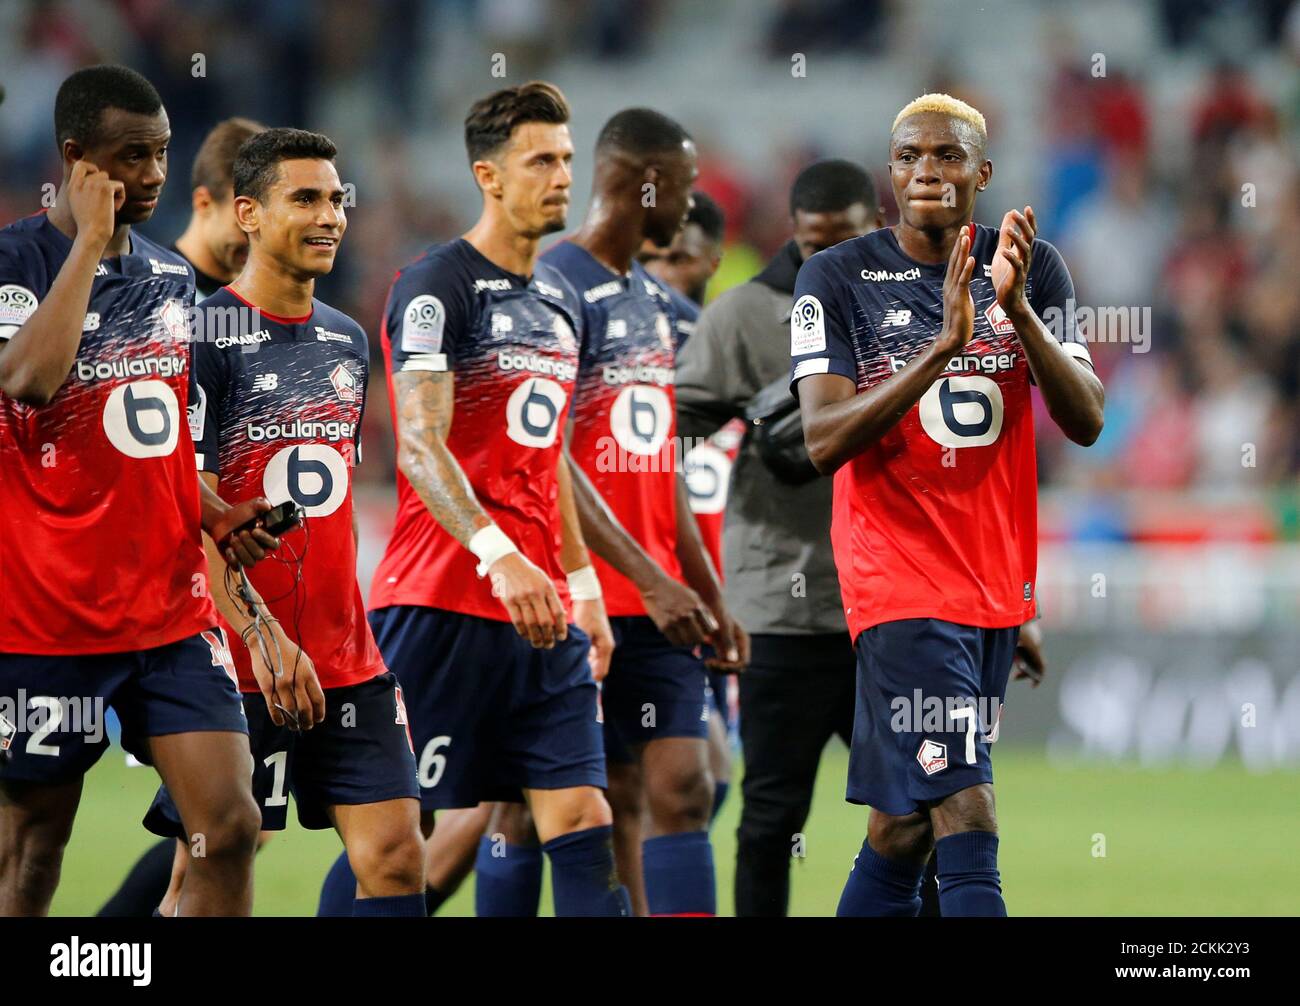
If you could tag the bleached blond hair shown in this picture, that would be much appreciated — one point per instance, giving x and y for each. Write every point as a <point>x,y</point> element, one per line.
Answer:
<point>947,105</point>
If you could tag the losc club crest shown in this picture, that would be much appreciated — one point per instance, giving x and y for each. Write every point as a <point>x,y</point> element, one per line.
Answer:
<point>933,757</point>
<point>998,320</point>
<point>345,385</point>
<point>174,321</point>
<point>564,336</point>
<point>664,329</point>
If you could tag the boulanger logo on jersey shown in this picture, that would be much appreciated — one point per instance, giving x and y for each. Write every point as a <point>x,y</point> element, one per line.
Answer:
<point>640,419</point>
<point>564,370</point>
<point>962,411</point>
<point>533,412</point>
<point>142,419</point>
<point>315,476</point>
<point>708,471</point>
<point>138,366</point>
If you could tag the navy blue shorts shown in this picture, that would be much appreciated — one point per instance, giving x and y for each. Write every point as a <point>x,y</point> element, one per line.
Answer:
<point>490,714</point>
<point>653,690</point>
<point>52,708</point>
<point>361,753</point>
<point>929,701</point>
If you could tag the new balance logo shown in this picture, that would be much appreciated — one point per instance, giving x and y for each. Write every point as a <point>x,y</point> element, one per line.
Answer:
<point>266,382</point>
<point>896,319</point>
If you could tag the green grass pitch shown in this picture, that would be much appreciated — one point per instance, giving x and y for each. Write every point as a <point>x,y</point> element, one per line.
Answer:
<point>1176,842</point>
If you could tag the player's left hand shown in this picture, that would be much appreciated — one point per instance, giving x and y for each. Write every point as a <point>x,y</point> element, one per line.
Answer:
<point>1029,662</point>
<point>247,547</point>
<point>730,644</point>
<point>590,617</point>
<point>1014,255</point>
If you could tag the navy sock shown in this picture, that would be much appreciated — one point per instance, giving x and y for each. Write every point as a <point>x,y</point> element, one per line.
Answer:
<point>678,872</point>
<point>881,887</point>
<point>339,890</point>
<point>969,884</point>
<point>583,878</point>
<point>393,905</point>
<point>145,886</point>
<point>719,796</point>
<point>509,885</point>
<point>433,899</point>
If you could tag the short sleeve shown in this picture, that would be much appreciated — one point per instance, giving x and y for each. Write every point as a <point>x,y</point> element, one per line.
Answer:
<point>426,315</point>
<point>21,288</point>
<point>821,341</point>
<point>209,374</point>
<point>1052,299</point>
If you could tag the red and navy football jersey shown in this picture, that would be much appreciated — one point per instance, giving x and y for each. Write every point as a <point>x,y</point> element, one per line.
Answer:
<point>279,415</point>
<point>939,518</point>
<point>512,343</point>
<point>625,409</point>
<point>100,545</point>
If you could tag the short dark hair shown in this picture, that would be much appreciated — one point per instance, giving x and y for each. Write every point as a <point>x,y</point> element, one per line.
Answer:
<point>492,120</point>
<point>641,132</point>
<point>707,215</point>
<point>214,164</point>
<point>830,186</point>
<point>259,157</point>
<point>85,94</point>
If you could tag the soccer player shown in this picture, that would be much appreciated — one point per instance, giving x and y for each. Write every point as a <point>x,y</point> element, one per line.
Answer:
<point>216,250</point>
<point>685,268</point>
<point>101,560</point>
<point>213,243</point>
<point>282,390</point>
<point>469,600</point>
<point>913,351</point>
<point>623,438</point>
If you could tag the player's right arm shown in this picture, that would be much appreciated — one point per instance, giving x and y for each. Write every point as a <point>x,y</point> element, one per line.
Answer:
<point>36,360</point>
<point>424,395</point>
<point>284,672</point>
<point>839,423</point>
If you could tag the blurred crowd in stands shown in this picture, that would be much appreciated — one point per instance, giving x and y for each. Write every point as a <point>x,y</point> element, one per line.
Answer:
<point>1197,241</point>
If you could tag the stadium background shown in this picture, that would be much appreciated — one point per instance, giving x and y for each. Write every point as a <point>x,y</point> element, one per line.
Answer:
<point>1156,771</point>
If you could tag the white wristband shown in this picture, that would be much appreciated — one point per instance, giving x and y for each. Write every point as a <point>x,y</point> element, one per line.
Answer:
<point>584,585</point>
<point>489,544</point>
